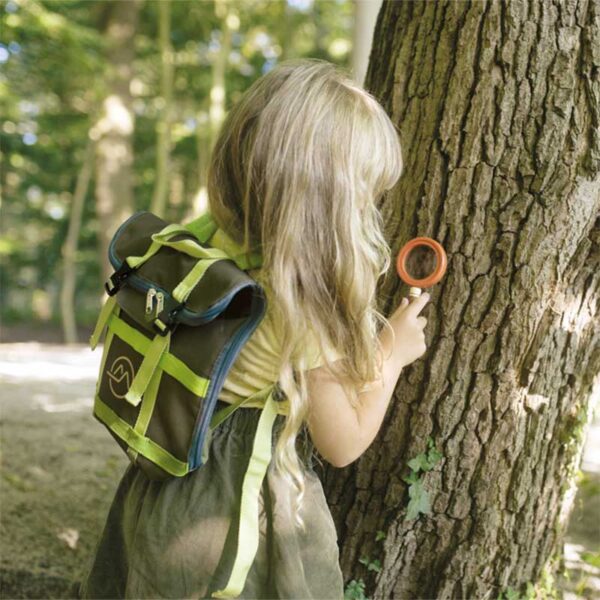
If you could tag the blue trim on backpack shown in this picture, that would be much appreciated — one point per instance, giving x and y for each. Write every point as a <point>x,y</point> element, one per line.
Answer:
<point>221,367</point>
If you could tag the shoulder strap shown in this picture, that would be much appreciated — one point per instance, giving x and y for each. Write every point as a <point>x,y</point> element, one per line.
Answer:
<point>207,231</point>
<point>248,527</point>
<point>222,414</point>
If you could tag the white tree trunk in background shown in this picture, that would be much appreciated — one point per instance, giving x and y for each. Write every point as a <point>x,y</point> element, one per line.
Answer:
<point>365,15</point>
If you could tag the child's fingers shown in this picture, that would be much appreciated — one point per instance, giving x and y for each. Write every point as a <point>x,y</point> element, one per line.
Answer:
<point>400,308</point>
<point>417,305</point>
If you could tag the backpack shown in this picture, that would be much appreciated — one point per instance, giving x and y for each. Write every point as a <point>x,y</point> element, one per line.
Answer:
<point>180,307</point>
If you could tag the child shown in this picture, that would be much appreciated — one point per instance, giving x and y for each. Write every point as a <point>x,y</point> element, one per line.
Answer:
<point>296,171</point>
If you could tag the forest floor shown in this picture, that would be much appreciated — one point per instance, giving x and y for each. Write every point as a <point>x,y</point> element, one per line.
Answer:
<point>60,468</point>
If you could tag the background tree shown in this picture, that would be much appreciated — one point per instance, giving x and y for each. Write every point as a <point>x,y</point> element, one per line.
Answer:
<point>69,250</point>
<point>362,37</point>
<point>466,490</point>
<point>114,129</point>
<point>163,129</point>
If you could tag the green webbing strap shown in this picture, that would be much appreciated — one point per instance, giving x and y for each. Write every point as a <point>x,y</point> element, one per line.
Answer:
<point>159,240</point>
<point>203,227</point>
<point>102,321</point>
<point>192,279</point>
<point>167,232</point>
<point>107,342</point>
<point>190,247</point>
<point>145,446</point>
<point>155,352</point>
<point>206,230</point>
<point>222,414</point>
<point>146,410</point>
<point>248,533</point>
<point>169,363</point>
<point>245,261</point>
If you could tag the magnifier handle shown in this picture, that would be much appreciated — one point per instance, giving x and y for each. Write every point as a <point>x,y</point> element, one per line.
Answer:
<point>414,292</point>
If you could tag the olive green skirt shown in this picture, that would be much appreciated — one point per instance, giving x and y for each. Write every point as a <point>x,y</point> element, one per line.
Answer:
<point>178,538</point>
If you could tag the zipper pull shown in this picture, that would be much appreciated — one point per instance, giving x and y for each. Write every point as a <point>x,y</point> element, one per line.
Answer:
<point>150,300</point>
<point>160,303</point>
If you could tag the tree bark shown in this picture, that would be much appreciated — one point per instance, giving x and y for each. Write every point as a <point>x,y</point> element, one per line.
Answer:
<point>498,110</point>
<point>114,129</point>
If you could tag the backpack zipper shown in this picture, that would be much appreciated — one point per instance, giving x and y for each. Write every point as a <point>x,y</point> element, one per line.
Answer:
<point>150,295</point>
<point>160,303</point>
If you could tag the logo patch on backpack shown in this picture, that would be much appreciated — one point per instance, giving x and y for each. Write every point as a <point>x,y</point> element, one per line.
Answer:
<point>120,376</point>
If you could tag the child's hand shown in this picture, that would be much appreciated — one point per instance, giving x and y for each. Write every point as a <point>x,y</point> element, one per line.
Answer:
<point>408,327</point>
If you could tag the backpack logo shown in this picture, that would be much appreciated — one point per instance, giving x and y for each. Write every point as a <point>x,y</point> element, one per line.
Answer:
<point>120,376</point>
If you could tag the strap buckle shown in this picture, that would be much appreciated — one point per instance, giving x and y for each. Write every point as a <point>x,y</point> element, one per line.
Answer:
<point>115,281</point>
<point>166,321</point>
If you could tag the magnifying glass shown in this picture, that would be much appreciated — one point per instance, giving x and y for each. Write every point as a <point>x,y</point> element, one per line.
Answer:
<point>421,263</point>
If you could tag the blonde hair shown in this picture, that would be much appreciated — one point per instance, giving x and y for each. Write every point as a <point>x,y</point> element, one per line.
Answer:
<point>296,171</point>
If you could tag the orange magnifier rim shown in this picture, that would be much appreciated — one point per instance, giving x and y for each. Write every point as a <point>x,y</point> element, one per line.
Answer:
<point>440,267</point>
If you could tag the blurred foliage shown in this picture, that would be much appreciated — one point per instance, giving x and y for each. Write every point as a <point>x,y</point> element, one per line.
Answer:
<point>53,57</point>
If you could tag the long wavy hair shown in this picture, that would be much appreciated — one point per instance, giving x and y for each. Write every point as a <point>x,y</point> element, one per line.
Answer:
<point>296,172</point>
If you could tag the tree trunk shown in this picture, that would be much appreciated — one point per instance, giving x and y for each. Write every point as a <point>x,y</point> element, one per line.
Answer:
<point>365,15</point>
<point>213,109</point>
<point>498,110</point>
<point>69,249</point>
<point>114,129</point>
<point>230,22</point>
<point>163,144</point>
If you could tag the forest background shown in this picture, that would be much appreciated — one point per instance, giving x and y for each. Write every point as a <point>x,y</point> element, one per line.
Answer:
<point>160,93</point>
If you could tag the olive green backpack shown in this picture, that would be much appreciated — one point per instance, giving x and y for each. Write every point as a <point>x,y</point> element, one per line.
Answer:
<point>180,307</point>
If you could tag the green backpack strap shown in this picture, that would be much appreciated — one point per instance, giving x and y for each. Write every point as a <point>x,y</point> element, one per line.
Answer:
<point>207,231</point>
<point>203,227</point>
<point>103,317</point>
<point>248,533</point>
<point>154,354</point>
<point>222,414</point>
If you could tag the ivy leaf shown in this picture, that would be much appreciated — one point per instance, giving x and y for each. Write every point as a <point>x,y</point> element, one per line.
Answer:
<point>374,566</point>
<point>380,535</point>
<point>419,501</point>
<point>365,560</point>
<point>355,590</point>
<point>418,462</point>
<point>411,477</point>
<point>433,456</point>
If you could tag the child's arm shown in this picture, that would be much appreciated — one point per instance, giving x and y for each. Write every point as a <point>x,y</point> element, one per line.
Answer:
<point>341,433</point>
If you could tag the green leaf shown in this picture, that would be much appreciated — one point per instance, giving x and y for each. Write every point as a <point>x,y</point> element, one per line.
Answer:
<point>374,566</point>
<point>433,456</point>
<point>418,462</point>
<point>355,590</point>
<point>365,560</point>
<point>411,477</point>
<point>512,594</point>
<point>419,501</point>
<point>380,535</point>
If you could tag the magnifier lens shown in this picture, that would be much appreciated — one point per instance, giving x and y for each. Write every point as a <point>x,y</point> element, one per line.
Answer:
<point>421,262</point>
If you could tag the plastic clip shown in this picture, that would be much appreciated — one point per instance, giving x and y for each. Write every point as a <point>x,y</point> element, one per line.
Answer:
<point>113,285</point>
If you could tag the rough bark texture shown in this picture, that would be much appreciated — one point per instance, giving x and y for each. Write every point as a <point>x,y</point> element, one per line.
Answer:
<point>498,108</point>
